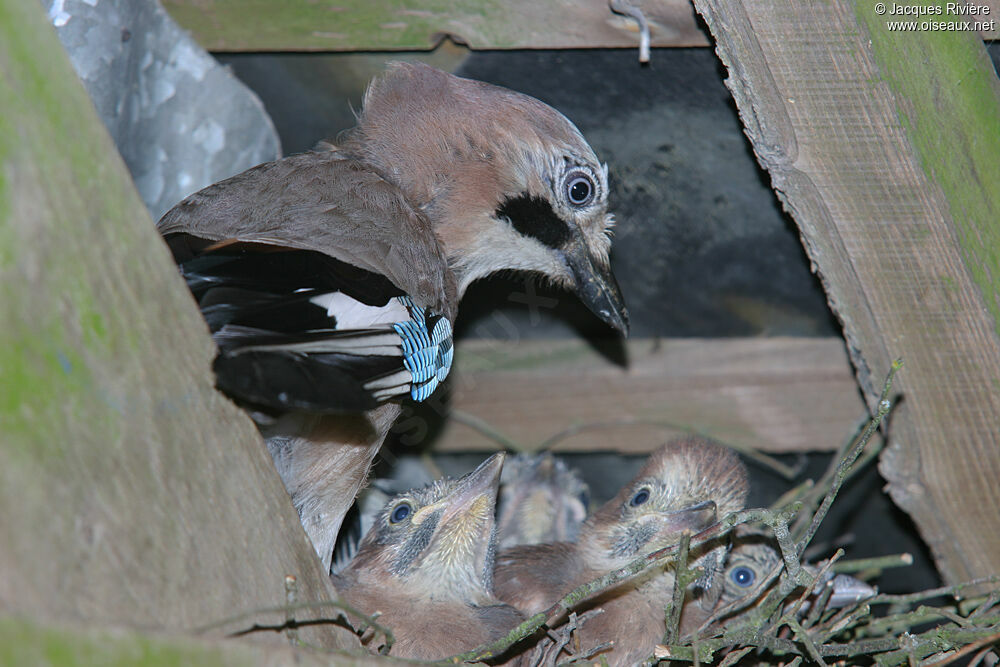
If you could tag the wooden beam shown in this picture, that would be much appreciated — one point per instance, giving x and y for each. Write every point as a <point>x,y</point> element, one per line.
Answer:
<point>775,394</point>
<point>132,493</point>
<point>882,145</point>
<point>30,642</point>
<point>394,25</point>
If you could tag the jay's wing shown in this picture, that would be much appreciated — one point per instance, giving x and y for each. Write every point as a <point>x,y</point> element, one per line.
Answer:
<point>324,202</point>
<point>323,288</point>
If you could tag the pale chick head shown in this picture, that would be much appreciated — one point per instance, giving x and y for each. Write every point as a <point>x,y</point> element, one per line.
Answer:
<point>507,181</point>
<point>541,500</point>
<point>687,484</point>
<point>436,542</point>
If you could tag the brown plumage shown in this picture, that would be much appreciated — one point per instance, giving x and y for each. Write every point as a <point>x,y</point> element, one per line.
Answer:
<point>541,500</point>
<point>426,567</point>
<point>685,485</point>
<point>300,265</point>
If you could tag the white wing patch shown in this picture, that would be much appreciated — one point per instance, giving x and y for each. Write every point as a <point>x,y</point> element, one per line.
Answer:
<point>352,314</point>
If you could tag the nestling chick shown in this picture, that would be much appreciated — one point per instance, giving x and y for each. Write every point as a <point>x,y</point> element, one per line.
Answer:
<point>426,566</point>
<point>685,485</point>
<point>755,556</point>
<point>330,280</point>
<point>408,472</point>
<point>541,500</point>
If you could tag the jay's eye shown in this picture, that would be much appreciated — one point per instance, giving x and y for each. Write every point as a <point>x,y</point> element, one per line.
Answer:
<point>640,497</point>
<point>743,576</point>
<point>400,512</point>
<point>580,188</point>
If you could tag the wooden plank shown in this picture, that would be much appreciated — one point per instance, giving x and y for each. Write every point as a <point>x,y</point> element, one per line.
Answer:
<point>883,147</point>
<point>32,642</point>
<point>776,394</point>
<point>393,25</point>
<point>132,493</point>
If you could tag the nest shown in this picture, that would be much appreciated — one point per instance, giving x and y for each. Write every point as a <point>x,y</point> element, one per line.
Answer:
<point>781,620</point>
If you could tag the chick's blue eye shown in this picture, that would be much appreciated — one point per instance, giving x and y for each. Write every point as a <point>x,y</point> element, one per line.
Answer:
<point>400,512</point>
<point>641,496</point>
<point>743,577</point>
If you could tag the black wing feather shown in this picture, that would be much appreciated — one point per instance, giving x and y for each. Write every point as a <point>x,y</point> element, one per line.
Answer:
<point>283,313</point>
<point>284,271</point>
<point>253,295</point>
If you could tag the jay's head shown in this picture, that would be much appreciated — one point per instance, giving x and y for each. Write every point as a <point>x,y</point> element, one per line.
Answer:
<point>687,484</point>
<point>507,181</point>
<point>437,541</point>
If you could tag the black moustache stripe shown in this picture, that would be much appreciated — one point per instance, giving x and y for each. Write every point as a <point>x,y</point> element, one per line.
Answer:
<point>534,217</point>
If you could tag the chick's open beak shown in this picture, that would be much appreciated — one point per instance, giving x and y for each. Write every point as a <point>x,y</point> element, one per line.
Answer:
<point>596,286</point>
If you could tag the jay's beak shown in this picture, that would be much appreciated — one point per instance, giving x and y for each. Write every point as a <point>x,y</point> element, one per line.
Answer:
<point>596,287</point>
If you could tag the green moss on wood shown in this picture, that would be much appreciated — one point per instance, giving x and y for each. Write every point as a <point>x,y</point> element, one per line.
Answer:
<point>346,25</point>
<point>55,192</point>
<point>23,642</point>
<point>949,107</point>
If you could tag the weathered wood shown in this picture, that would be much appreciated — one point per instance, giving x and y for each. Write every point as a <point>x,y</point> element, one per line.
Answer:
<point>392,25</point>
<point>23,642</point>
<point>776,394</point>
<point>883,147</point>
<point>131,492</point>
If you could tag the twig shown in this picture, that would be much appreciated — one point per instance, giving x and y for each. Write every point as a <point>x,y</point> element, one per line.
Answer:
<point>954,590</point>
<point>843,619</point>
<point>769,462</point>
<point>988,604</point>
<point>806,640</point>
<point>794,494</point>
<point>812,499</point>
<point>912,647</point>
<point>487,430</point>
<point>366,620</point>
<point>791,555</point>
<point>587,655</point>
<point>884,405</point>
<point>567,635</point>
<point>878,563</point>
<point>923,614</point>
<point>682,577</point>
<point>818,607</point>
<point>559,640</point>
<point>981,658</point>
<point>734,656</point>
<point>810,589</point>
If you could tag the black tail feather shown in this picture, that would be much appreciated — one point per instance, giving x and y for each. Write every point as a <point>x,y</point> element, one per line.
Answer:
<point>321,383</point>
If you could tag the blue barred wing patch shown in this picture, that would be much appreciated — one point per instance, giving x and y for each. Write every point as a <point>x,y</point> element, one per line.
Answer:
<point>427,348</point>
